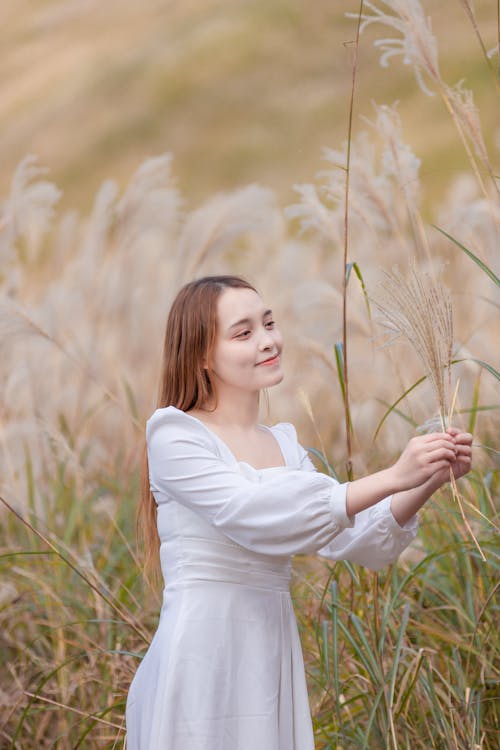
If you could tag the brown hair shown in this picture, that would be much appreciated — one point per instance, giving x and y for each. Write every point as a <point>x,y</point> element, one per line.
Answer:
<point>186,379</point>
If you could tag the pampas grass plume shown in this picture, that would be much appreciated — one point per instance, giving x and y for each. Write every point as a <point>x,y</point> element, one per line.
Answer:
<point>418,309</point>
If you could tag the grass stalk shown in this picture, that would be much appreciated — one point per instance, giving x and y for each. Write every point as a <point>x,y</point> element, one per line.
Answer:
<point>345,277</point>
<point>116,607</point>
<point>455,491</point>
<point>73,710</point>
<point>469,11</point>
<point>443,90</point>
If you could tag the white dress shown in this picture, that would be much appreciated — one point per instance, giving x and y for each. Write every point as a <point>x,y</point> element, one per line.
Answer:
<point>225,670</point>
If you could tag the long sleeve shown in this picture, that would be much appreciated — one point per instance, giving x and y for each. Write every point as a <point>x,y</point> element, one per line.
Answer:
<point>375,540</point>
<point>284,512</point>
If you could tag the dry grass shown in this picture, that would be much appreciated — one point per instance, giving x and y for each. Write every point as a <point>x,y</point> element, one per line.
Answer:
<point>83,303</point>
<point>417,309</point>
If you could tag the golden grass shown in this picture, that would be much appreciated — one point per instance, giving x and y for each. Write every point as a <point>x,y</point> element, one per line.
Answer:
<point>238,92</point>
<point>84,297</point>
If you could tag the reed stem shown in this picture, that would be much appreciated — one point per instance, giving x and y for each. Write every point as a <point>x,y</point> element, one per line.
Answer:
<point>347,415</point>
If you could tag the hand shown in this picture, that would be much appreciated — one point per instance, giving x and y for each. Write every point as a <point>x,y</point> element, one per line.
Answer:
<point>429,457</point>
<point>463,461</point>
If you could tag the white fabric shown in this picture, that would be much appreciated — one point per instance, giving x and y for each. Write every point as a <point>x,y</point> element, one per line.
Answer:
<point>224,670</point>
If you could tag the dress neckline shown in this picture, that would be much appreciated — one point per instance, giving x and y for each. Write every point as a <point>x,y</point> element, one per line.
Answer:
<point>284,465</point>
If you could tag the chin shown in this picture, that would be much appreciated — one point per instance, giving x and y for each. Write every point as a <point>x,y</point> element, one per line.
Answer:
<point>277,378</point>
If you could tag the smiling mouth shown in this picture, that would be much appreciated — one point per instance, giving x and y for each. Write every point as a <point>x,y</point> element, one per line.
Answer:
<point>269,361</point>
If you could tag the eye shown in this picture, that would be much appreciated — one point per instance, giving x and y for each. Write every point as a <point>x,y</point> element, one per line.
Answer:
<point>270,324</point>
<point>242,334</point>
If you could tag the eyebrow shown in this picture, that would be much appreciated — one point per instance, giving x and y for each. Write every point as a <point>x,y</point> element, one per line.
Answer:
<point>248,320</point>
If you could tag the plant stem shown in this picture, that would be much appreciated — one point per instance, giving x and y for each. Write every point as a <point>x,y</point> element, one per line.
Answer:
<point>346,245</point>
<point>110,601</point>
<point>469,10</point>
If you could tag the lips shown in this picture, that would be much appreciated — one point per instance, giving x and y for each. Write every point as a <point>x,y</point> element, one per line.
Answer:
<point>270,360</point>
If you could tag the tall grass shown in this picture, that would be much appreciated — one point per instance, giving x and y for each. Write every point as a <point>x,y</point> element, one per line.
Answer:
<point>406,657</point>
<point>409,657</point>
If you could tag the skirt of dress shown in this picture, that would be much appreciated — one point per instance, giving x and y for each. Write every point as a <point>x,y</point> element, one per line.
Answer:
<point>223,672</point>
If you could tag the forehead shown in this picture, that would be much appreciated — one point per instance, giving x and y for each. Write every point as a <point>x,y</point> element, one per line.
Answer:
<point>234,304</point>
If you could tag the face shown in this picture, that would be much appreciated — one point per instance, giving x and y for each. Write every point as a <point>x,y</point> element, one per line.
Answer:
<point>247,336</point>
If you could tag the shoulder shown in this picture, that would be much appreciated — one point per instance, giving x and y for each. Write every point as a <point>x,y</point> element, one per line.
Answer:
<point>170,424</point>
<point>288,434</point>
<point>285,430</point>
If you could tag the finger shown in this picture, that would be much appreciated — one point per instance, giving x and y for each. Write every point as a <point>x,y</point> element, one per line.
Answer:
<point>438,466</point>
<point>464,438</point>
<point>432,436</point>
<point>461,469</point>
<point>453,430</point>
<point>447,444</point>
<point>441,454</point>
<point>440,438</point>
<point>464,463</point>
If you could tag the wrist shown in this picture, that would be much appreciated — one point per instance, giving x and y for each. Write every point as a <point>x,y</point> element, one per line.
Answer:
<point>433,484</point>
<point>391,480</point>
<point>367,491</point>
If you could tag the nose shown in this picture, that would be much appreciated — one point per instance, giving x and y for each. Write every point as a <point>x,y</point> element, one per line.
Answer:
<point>266,340</point>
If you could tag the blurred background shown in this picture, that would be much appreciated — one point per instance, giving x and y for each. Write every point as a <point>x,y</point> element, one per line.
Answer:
<point>239,92</point>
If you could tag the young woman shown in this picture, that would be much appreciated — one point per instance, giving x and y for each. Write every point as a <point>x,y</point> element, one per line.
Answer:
<point>231,501</point>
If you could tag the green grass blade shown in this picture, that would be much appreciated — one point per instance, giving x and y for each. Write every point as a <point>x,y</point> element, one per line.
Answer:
<point>475,402</point>
<point>398,412</point>
<point>335,652</point>
<point>339,360</point>
<point>393,406</point>
<point>371,719</point>
<point>409,689</point>
<point>326,464</point>
<point>364,650</point>
<point>93,720</point>
<point>45,678</point>
<point>325,647</point>
<point>471,255</point>
<point>397,653</point>
<point>486,366</point>
<point>353,266</point>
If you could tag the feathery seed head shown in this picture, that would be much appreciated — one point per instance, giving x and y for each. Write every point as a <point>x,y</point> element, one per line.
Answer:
<point>417,46</point>
<point>418,308</point>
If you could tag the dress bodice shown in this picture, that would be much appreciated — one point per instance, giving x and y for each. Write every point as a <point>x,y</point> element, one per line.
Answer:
<point>222,519</point>
<point>193,550</point>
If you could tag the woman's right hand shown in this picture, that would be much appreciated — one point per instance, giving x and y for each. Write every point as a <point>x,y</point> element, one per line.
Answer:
<point>424,456</point>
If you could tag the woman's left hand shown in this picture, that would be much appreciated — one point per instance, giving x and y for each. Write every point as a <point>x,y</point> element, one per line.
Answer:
<point>405,504</point>
<point>462,464</point>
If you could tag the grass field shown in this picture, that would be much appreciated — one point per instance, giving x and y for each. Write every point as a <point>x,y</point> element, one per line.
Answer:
<point>143,114</point>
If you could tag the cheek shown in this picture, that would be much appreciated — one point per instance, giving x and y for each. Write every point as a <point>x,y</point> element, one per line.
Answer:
<point>230,359</point>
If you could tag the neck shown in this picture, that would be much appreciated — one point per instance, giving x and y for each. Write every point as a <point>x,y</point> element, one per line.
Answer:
<point>236,408</point>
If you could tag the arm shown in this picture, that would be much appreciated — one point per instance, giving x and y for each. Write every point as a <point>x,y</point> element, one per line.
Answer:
<point>289,512</point>
<point>286,512</point>
<point>375,540</point>
<point>384,530</point>
<point>422,461</point>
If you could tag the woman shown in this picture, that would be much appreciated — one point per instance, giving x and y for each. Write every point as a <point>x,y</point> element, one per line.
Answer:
<point>235,500</point>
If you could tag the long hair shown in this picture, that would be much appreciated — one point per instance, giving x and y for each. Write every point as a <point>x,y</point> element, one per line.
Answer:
<point>186,381</point>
